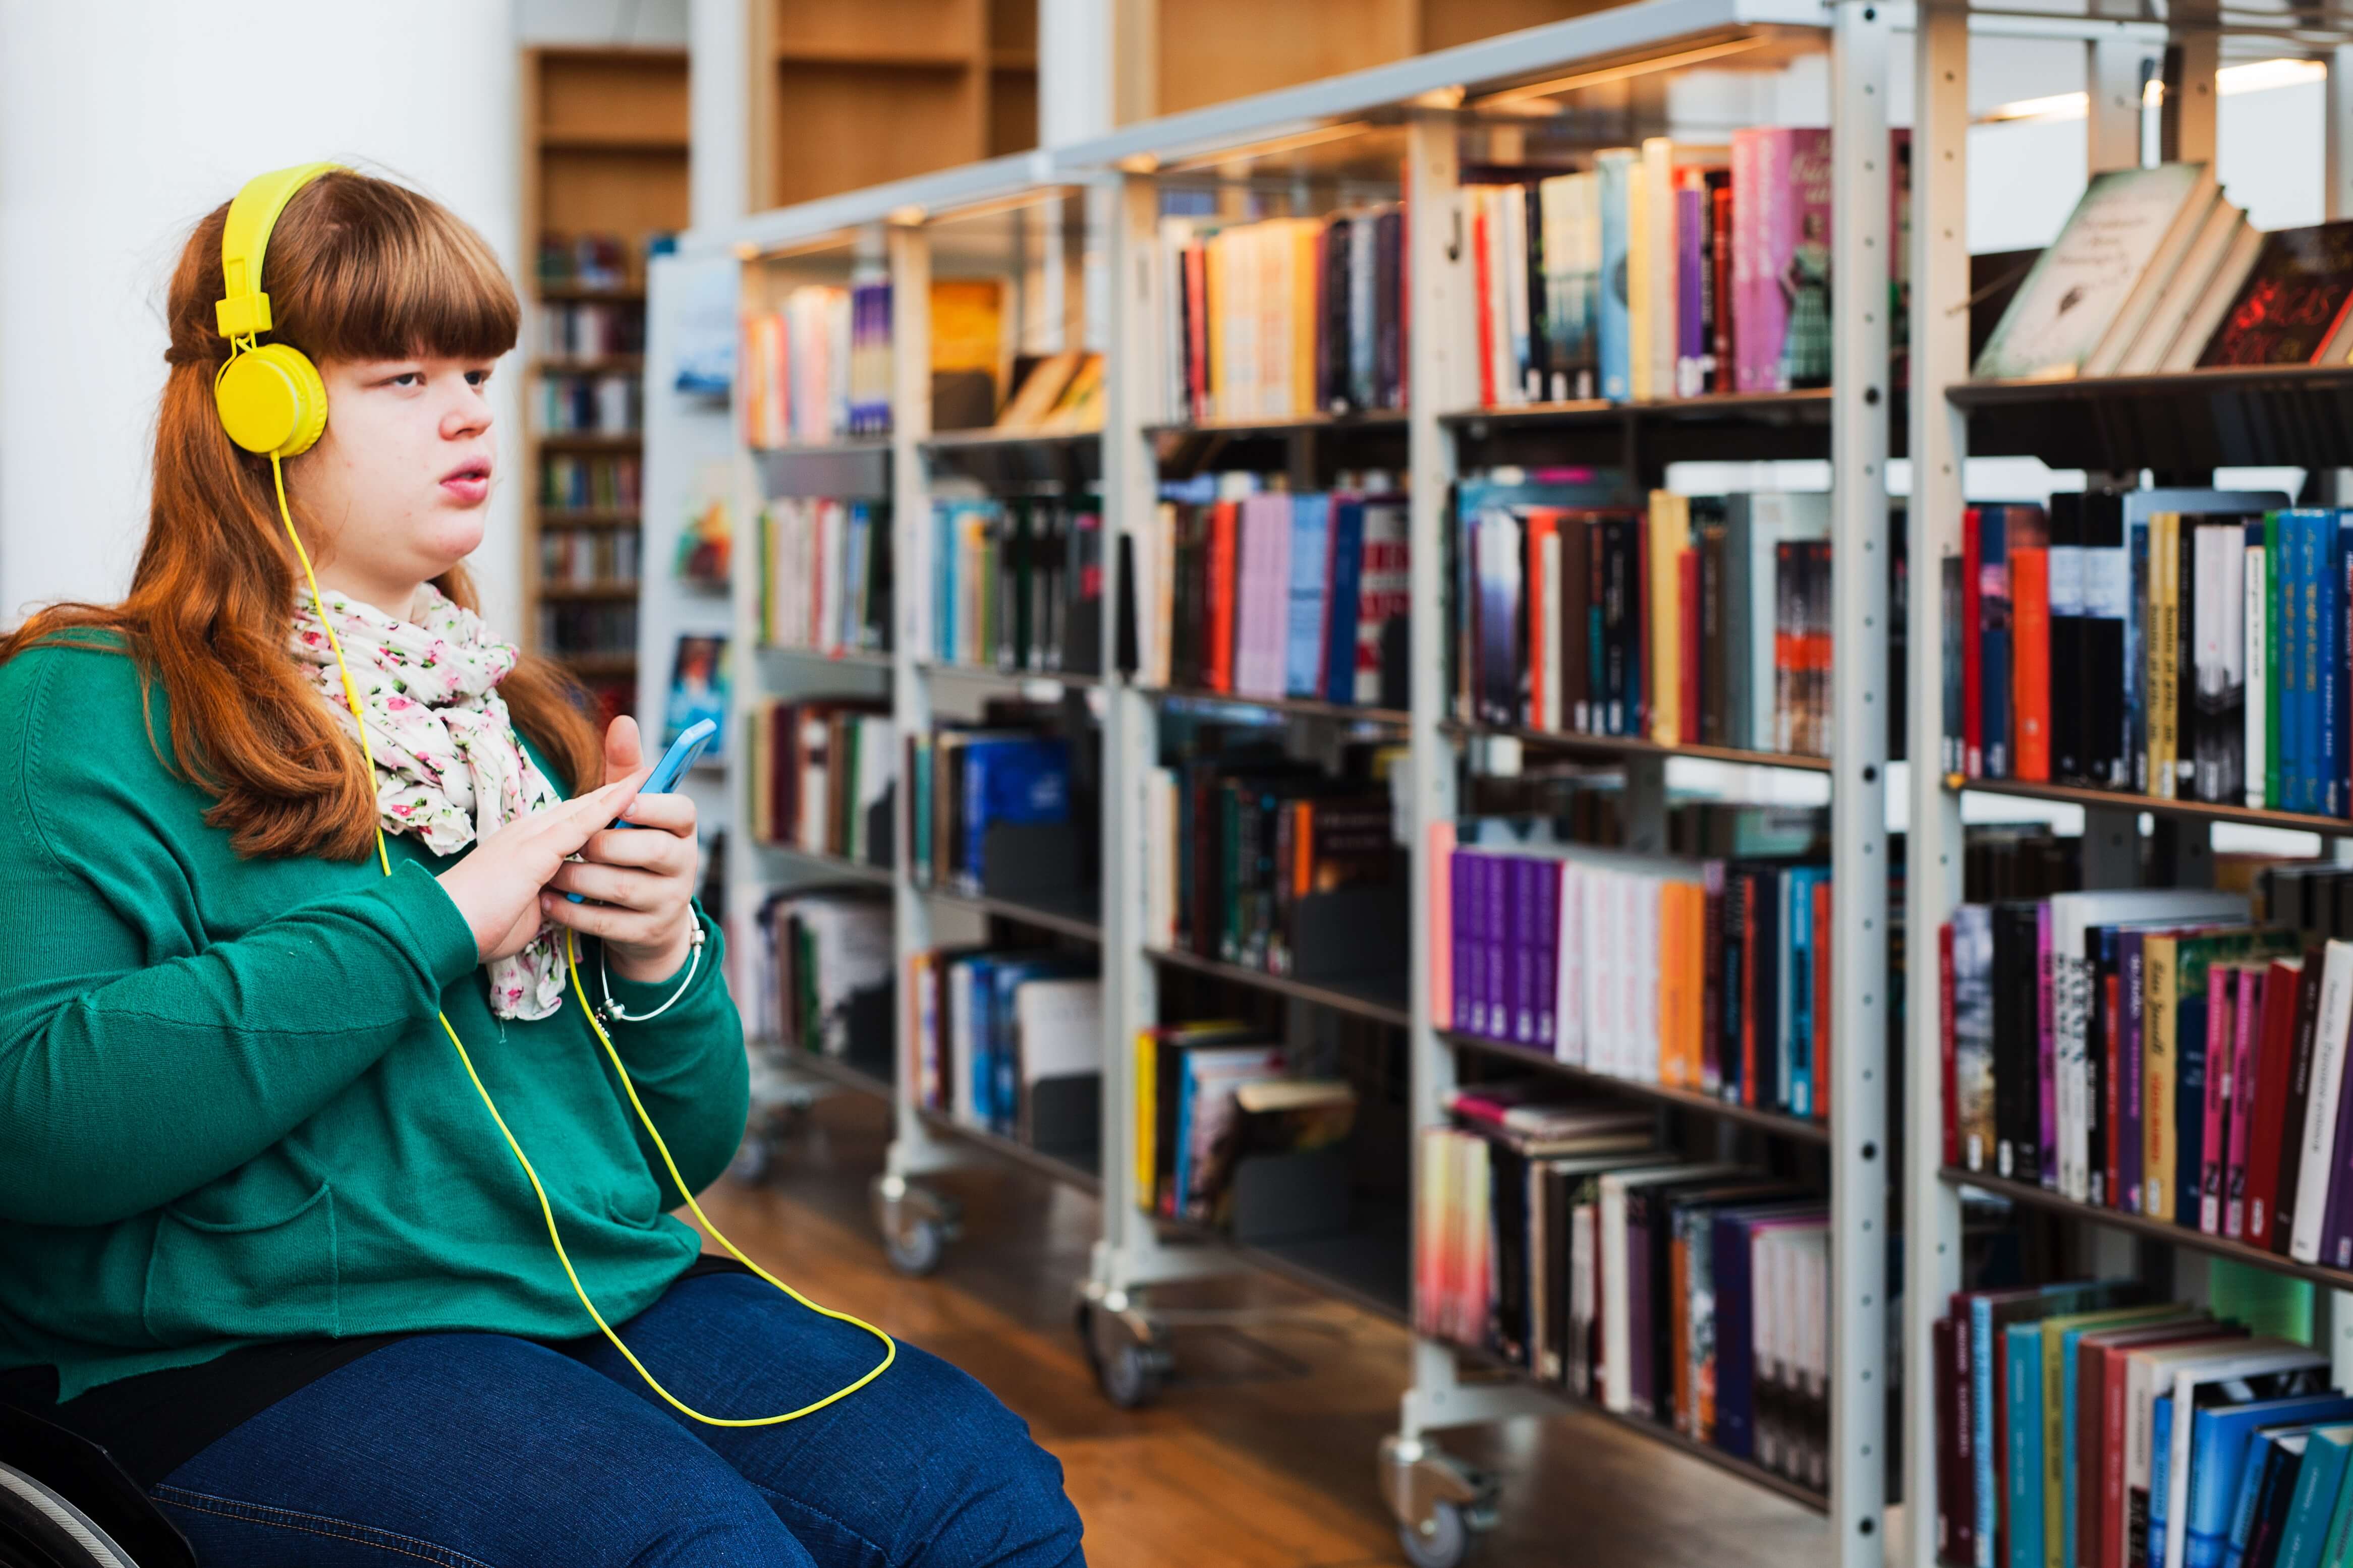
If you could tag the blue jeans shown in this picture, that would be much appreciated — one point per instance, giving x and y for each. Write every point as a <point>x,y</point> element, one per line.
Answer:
<point>486,1451</point>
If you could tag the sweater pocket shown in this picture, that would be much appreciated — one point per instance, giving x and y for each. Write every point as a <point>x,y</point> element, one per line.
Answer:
<point>251,1255</point>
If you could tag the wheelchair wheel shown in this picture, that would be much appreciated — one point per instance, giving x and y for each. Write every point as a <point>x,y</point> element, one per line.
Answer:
<point>39,1529</point>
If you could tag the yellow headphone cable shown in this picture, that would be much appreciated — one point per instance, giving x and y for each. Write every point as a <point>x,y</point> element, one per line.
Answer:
<point>571,959</point>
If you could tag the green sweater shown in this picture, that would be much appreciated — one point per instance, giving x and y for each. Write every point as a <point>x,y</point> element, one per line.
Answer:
<point>227,1114</point>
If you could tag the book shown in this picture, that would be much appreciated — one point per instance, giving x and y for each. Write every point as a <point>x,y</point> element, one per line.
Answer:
<point>2291,307</point>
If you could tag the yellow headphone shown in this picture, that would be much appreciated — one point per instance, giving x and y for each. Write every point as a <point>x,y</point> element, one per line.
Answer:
<point>272,401</point>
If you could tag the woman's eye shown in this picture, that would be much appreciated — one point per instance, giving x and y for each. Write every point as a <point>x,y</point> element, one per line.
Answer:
<point>409,378</point>
<point>477,377</point>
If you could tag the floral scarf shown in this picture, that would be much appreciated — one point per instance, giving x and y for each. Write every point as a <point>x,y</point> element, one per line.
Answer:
<point>449,767</point>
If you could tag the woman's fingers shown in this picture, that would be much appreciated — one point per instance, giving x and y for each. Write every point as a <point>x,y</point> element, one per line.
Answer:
<point>614,922</point>
<point>619,884</point>
<point>648,851</point>
<point>672,815</point>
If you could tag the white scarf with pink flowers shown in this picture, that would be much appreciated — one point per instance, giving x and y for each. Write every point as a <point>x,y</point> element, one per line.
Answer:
<point>450,768</point>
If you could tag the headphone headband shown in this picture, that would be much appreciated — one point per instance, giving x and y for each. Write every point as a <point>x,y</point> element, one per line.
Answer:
<point>245,309</point>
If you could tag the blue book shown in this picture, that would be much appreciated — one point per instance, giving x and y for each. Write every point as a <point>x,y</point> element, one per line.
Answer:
<point>977,1063</point>
<point>1993,636</point>
<point>2022,1384</point>
<point>2317,1482</point>
<point>2256,1482</point>
<point>1311,594</point>
<point>1005,977</point>
<point>1803,880</point>
<point>2330,550</point>
<point>1348,591</point>
<point>1022,781</point>
<point>2160,1474</point>
<point>1617,170</point>
<point>2218,1458</point>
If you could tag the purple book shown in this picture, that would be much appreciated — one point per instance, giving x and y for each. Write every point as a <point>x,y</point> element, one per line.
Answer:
<point>2128,1084</point>
<point>1463,940</point>
<point>1780,258</point>
<point>1691,270</point>
<point>1498,928</point>
<point>1526,935</point>
<point>2046,1052</point>
<point>1639,1374</point>
<point>1547,953</point>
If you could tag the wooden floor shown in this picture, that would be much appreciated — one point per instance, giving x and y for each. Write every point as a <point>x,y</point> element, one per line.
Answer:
<point>1260,1455</point>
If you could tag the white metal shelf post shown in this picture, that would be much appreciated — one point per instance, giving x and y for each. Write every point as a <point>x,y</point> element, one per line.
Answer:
<point>915,1222</point>
<point>1860,152</point>
<point>1939,357</point>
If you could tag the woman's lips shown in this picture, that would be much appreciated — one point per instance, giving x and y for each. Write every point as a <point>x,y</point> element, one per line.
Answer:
<point>469,486</point>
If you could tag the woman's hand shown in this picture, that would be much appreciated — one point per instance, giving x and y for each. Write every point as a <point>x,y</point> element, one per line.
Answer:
<point>641,877</point>
<point>497,886</point>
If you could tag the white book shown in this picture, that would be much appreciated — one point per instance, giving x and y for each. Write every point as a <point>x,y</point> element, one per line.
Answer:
<point>2223,225</point>
<point>1643,972</point>
<point>1058,1028</point>
<point>1572,994</point>
<point>2222,291</point>
<point>2319,1144</point>
<point>2083,281</point>
<point>960,1005</point>
<point>2155,279</point>
<point>2186,1380</point>
<point>1550,716</point>
<point>2072,917</point>
<point>2257,613</point>
<point>1617,1344</point>
<point>2148,1373</point>
<point>1754,525</point>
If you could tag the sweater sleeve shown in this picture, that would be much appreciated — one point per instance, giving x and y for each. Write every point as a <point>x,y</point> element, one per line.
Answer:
<point>689,1064</point>
<point>139,1060</point>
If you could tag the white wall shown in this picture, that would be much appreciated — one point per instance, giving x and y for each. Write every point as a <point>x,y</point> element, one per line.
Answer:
<point>121,125</point>
<point>642,22</point>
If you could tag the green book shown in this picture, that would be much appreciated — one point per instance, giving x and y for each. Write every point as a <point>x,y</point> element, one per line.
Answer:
<point>2340,1529</point>
<point>2313,1507</point>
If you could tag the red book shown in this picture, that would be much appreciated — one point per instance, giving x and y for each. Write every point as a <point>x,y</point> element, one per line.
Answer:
<point>2246,1052</point>
<point>2029,641</point>
<point>1747,991</point>
<point>1484,306</point>
<point>1543,524</point>
<point>1688,662</point>
<point>2274,1059</point>
<point>1224,526</point>
<point>1720,257</point>
<point>1972,670</point>
<point>2100,1357</point>
<point>2293,304</point>
<point>1949,1115</point>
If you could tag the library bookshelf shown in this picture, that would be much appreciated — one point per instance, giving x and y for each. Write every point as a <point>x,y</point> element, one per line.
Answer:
<point>605,154</point>
<point>1403,130</point>
<point>2179,426</point>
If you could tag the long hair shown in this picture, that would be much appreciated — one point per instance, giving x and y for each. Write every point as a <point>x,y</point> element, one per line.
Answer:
<point>358,269</point>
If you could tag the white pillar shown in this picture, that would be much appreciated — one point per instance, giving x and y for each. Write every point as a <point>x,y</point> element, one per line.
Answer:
<point>121,126</point>
<point>721,112</point>
<point>1076,69</point>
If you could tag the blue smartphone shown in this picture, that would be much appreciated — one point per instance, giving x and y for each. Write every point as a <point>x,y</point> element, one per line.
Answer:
<point>672,767</point>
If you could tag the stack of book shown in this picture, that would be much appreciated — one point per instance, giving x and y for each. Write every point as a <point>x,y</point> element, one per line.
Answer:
<point>582,556</point>
<point>590,329</point>
<point>1017,585</point>
<point>821,775</point>
<point>1276,595</point>
<point>1282,318</point>
<point>1211,1095</point>
<point>825,963</point>
<point>588,405</point>
<point>1694,1296</point>
<point>966,782</point>
<point>1667,270</point>
<point>2088,1423</point>
<point>1689,622</point>
<point>817,368</point>
<point>991,1026</point>
<point>2157,271</point>
<point>2212,664</point>
<point>1708,976</point>
<point>596,483</point>
<point>1060,396</point>
<point>825,575</point>
<point>1248,844</point>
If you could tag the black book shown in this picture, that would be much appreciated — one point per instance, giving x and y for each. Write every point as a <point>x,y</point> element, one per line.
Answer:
<point>1733,987</point>
<point>1331,390</point>
<point>2066,581</point>
<point>1540,366</point>
<point>2276,1493</point>
<point>2017,1066</point>
<point>1507,1302</point>
<point>1078,642</point>
<point>2106,568</point>
<point>1765,987</point>
<point>1125,644</point>
<point>1389,331</point>
<point>2101,944</point>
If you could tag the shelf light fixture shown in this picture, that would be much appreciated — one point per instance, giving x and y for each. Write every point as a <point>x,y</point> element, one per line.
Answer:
<point>2254,76</point>
<point>1646,67</point>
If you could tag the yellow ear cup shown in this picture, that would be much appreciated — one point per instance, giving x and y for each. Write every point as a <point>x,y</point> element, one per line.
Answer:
<point>271,400</point>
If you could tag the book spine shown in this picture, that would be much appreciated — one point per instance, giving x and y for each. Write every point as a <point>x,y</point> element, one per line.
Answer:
<point>2031,699</point>
<point>1972,645</point>
<point>1994,629</point>
<point>2297,1107</point>
<point>2256,599</point>
<point>1947,1048</point>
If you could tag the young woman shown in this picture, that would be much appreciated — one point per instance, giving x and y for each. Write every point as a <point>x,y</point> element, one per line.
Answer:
<point>258,1235</point>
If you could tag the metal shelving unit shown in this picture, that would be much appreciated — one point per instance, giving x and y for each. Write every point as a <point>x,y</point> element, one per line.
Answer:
<point>2175,424</point>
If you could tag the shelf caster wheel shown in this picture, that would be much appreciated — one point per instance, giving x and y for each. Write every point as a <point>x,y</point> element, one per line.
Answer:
<point>916,1224</point>
<point>1128,1352</point>
<point>1442,1505</point>
<point>1442,1541</point>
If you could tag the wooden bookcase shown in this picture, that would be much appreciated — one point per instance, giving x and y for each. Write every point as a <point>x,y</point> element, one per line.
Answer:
<point>851,93</point>
<point>605,146</point>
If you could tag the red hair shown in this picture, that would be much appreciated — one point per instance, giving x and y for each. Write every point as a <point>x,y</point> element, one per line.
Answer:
<point>358,269</point>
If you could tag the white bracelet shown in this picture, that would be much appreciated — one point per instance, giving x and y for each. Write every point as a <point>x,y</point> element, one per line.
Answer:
<point>612,1009</point>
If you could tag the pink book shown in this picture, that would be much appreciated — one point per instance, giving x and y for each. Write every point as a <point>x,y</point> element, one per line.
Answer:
<point>2246,1061</point>
<point>2221,1014</point>
<point>1781,231</point>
